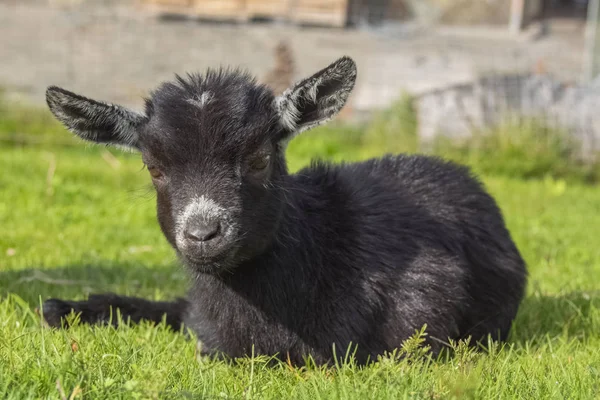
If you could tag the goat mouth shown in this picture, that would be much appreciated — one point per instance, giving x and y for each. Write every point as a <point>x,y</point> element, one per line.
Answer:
<point>208,262</point>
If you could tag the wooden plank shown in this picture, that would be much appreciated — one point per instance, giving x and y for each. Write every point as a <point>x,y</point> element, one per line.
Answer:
<point>319,18</point>
<point>170,3</point>
<point>517,12</point>
<point>591,65</point>
<point>219,6</point>
<point>330,12</point>
<point>217,9</point>
<point>321,12</point>
<point>267,8</point>
<point>182,7</point>
<point>325,4</point>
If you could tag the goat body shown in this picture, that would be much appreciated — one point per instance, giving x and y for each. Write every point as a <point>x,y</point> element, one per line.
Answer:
<point>360,254</point>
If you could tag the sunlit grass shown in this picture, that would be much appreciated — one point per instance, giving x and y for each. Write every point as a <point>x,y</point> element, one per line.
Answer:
<point>78,219</point>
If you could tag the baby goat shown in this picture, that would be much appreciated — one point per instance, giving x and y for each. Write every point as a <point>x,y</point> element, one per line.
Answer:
<point>358,254</point>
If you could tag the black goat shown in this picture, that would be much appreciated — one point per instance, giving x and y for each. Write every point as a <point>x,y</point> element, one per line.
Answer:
<point>355,254</point>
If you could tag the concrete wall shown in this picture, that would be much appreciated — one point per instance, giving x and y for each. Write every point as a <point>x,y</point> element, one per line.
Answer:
<point>459,110</point>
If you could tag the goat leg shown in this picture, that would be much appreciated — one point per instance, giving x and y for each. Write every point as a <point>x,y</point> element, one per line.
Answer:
<point>102,309</point>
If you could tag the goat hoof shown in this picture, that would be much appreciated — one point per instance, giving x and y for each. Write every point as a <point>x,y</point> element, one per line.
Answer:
<point>54,310</point>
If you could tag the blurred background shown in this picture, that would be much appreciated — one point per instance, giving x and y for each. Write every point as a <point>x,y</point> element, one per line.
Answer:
<point>465,63</point>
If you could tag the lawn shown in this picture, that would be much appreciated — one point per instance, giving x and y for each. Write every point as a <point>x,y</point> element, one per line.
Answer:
<point>78,219</point>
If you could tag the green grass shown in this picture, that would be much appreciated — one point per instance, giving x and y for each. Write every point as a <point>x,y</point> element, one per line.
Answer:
<point>526,149</point>
<point>518,148</point>
<point>78,219</point>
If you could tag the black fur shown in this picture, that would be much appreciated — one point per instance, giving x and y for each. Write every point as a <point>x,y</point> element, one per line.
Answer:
<point>362,253</point>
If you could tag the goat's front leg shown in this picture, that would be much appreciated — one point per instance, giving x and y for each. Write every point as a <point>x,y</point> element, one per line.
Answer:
<point>102,309</point>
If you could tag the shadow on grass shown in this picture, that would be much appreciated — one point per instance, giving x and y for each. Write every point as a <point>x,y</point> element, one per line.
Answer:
<point>574,315</point>
<point>77,281</point>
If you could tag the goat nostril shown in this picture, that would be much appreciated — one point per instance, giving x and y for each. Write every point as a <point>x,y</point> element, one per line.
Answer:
<point>204,232</point>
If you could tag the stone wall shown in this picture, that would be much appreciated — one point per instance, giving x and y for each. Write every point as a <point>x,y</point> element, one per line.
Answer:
<point>459,110</point>
<point>468,12</point>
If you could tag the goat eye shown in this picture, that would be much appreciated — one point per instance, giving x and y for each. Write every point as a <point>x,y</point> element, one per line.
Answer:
<point>155,172</point>
<point>259,163</point>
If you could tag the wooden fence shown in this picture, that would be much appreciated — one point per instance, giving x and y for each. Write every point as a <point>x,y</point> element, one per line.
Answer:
<point>321,12</point>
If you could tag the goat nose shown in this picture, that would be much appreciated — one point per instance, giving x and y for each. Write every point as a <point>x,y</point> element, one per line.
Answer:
<point>203,232</point>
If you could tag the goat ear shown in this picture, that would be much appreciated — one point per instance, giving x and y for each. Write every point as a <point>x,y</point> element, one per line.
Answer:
<point>93,120</point>
<point>317,99</point>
